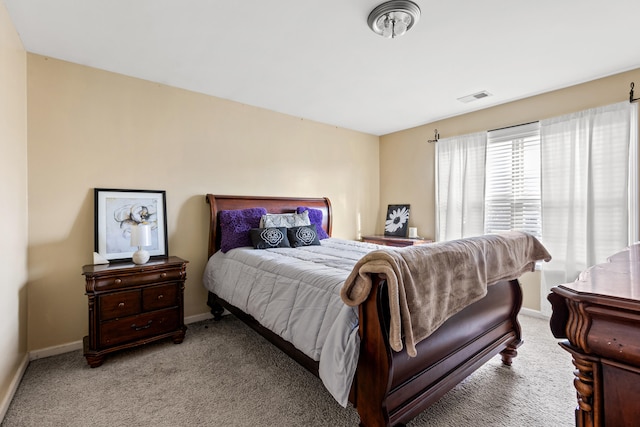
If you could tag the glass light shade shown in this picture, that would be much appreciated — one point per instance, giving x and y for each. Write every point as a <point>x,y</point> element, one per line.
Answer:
<point>387,28</point>
<point>399,28</point>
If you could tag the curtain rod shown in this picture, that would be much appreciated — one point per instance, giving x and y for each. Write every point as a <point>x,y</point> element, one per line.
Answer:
<point>631,99</point>
<point>437,135</point>
<point>513,126</point>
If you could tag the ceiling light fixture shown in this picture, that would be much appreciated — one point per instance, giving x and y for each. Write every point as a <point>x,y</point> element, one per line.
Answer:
<point>393,18</point>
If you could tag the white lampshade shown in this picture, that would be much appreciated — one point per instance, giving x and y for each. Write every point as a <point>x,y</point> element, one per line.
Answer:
<point>140,237</point>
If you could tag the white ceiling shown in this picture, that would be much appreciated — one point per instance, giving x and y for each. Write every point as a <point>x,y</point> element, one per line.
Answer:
<point>320,61</point>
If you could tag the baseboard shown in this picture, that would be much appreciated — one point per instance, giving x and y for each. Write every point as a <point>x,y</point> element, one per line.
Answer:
<point>13,387</point>
<point>533,313</point>
<point>55,350</point>
<point>198,318</point>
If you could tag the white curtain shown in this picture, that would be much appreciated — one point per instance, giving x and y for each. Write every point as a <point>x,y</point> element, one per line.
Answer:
<point>460,167</point>
<point>588,163</point>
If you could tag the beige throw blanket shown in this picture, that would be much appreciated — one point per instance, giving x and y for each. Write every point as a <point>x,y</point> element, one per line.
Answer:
<point>427,284</point>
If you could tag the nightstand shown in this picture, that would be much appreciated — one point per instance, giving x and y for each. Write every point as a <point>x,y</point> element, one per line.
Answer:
<point>394,240</point>
<point>132,305</point>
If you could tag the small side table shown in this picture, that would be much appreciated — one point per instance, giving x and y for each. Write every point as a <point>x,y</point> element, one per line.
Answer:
<point>394,240</point>
<point>131,305</point>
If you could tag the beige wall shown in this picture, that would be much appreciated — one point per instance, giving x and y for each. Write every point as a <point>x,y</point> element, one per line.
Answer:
<point>90,128</point>
<point>407,159</point>
<point>13,206</point>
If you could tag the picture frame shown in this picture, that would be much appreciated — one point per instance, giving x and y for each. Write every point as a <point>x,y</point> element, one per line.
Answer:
<point>117,210</point>
<point>397,220</point>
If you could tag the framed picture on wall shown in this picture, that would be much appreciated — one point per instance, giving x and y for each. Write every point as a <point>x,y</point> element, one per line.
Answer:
<point>116,211</point>
<point>397,221</point>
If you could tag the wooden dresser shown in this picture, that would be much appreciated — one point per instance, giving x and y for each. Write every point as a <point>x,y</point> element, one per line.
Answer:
<point>131,305</point>
<point>599,315</point>
<point>394,240</point>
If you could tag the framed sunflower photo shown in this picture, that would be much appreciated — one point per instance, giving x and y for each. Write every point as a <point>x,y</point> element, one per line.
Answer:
<point>397,222</point>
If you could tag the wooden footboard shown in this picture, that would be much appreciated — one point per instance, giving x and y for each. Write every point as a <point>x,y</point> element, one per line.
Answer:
<point>391,388</point>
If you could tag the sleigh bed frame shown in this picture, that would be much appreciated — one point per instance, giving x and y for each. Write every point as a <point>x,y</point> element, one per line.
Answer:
<point>390,388</point>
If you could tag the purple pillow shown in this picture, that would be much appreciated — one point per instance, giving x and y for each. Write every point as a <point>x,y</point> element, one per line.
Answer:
<point>315,217</point>
<point>235,225</point>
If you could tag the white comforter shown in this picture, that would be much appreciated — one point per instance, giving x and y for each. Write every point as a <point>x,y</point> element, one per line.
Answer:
<point>295,292</point>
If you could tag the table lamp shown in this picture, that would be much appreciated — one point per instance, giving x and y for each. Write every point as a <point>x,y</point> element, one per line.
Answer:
<point>141,237</point>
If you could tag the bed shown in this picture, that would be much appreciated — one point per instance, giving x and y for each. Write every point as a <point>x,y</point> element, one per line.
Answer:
<point>391,387</point>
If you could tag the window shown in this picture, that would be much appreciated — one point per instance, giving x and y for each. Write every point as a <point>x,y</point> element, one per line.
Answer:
<point>512,186</point>
<point>584,164</point>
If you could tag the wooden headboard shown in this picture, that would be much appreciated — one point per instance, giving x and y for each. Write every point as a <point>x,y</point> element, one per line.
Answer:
<point>271,204</point>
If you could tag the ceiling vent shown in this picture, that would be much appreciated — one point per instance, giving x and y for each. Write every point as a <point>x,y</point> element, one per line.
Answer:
<point>474,97</point>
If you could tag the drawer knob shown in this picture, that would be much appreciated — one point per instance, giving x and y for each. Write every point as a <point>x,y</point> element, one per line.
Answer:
<point>163,275</point>
<point>160,296</point>
<point>117,281</point>
<point>121,305</point>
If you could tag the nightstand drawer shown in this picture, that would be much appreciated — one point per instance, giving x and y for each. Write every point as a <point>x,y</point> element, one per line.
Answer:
<point>157,297</point>
<point>128,280</point>
<point>119,304</point>
<point>136,327</point>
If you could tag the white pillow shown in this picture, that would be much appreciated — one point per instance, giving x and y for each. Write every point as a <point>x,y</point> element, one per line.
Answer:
<point>285,220</point>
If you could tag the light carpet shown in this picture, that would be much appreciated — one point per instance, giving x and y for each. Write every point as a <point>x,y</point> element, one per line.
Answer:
<point>224,374</point>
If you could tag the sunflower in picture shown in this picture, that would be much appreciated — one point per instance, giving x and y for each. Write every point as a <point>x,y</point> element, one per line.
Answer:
<point>397,218</point>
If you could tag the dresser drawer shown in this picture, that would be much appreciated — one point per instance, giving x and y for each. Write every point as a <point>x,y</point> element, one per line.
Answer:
<point>119,304</point>
<point>157,297</point>
<point>128,280</point>
<point>136,327</point>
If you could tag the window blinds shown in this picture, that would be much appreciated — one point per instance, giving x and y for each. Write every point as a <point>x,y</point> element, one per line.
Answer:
<point>512,192</point>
